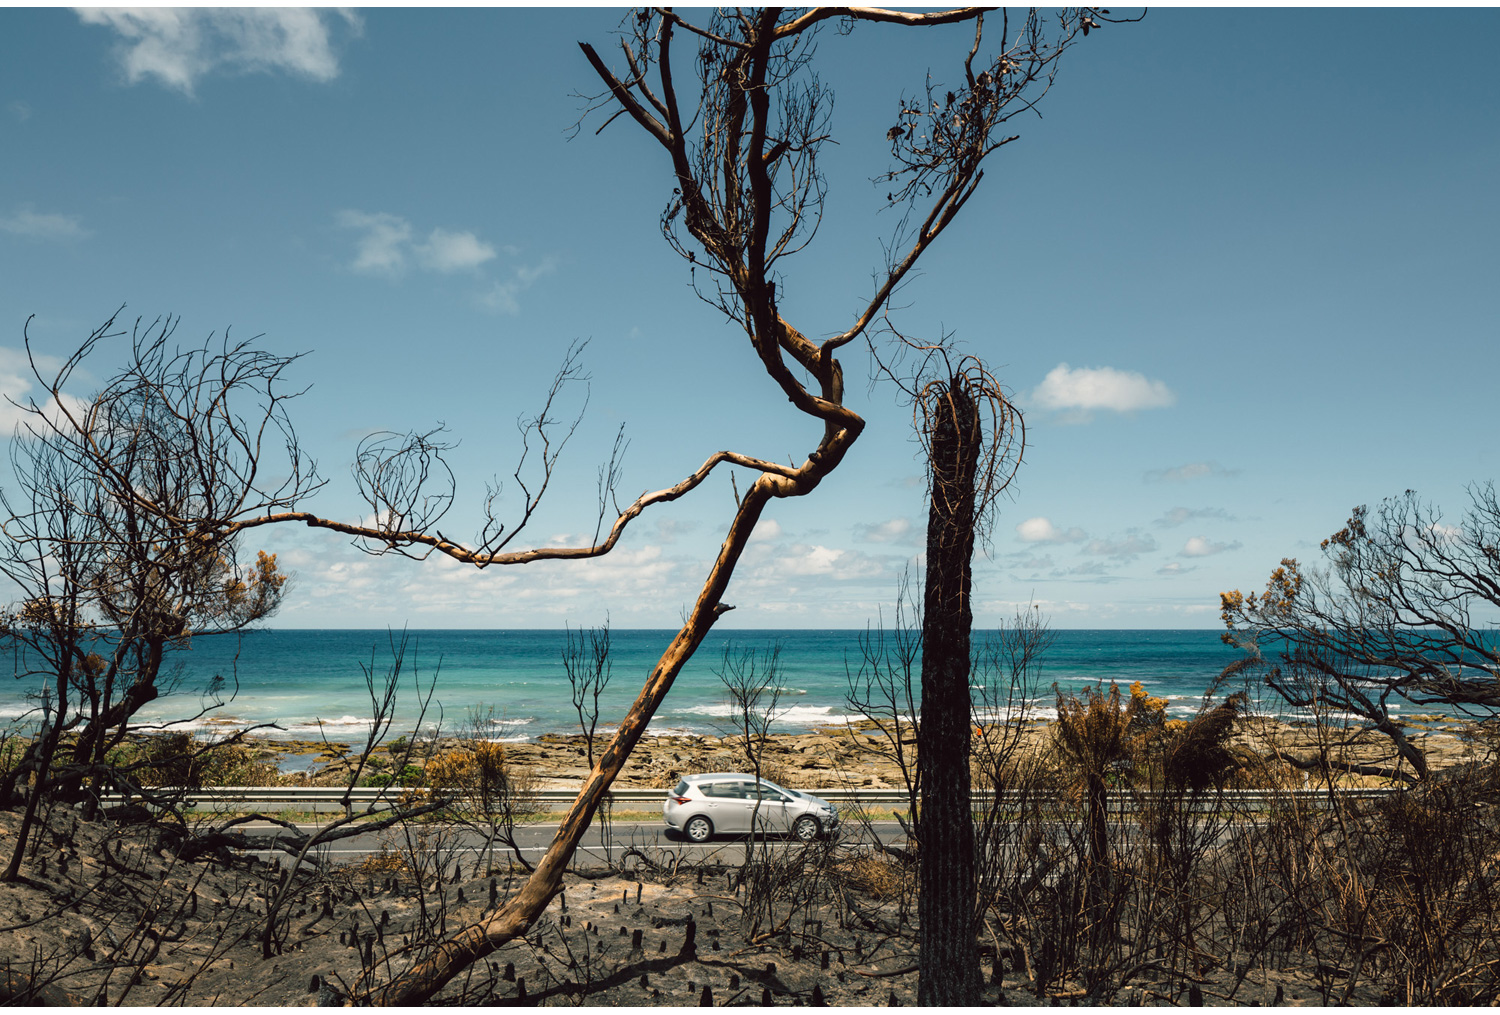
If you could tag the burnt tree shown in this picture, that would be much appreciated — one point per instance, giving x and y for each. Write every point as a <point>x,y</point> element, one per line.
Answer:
<point>1401,612</point>
<point>974,439</point>
<point>111,577</point>
<point>948,972</point>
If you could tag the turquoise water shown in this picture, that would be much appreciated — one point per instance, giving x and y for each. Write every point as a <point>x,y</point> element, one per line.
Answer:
<point>307,682</point>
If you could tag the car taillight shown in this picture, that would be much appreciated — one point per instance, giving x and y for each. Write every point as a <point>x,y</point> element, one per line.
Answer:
<point>681,799</point>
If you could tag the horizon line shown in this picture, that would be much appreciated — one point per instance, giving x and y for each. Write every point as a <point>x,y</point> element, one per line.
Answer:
<point>268,629</point>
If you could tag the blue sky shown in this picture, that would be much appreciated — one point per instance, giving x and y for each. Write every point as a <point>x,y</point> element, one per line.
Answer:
<point>1241,276</point>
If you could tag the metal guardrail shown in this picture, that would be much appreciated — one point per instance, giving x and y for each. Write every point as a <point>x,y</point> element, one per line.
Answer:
<point>325,798</point>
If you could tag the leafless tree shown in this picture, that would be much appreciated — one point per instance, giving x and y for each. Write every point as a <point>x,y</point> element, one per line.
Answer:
<point>1008,675</point>
<point>752,691</point>
<point>884,689</point>
<point>586,660</point>
<point>101,535</point>
<point>747,196</point>
<point>1402,611</point>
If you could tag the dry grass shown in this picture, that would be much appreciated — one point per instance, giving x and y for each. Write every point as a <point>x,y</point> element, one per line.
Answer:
<point>878,876</point>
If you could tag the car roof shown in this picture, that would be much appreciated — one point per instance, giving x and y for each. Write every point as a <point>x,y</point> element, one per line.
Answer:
<point>722,775</point>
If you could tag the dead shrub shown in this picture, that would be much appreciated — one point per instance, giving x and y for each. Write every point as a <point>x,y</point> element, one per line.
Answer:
<point>387,861</point>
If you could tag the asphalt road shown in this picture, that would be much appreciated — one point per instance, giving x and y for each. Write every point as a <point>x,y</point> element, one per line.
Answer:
<point>649,837</point>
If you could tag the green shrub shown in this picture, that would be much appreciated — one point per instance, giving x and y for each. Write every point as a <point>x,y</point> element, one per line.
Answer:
<point>180,759</point>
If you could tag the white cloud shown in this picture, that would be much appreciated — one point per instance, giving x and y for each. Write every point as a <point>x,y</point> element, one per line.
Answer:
<point>1439,533</point>
<point>1090,388</point>
<point>502,295</point>
<point>178,46</point>
<point>1434,534</point>
<point>1197,546</point>
<point>1133,545</point>
<point>1040,530</point>
<point>1192,470</point>
<point>766,530</point>
<point>16,382</point>
<point>385,245</point>
<point>1181,515</point>
<point>447,251</point>
<point>19,109</point>
<point>825,560</point>
<point>893,531</point>
<point>635,567</point>
<point>42,225</point>
<point>380,250</point>
<point>1093,570</point>
<point>639,586</point>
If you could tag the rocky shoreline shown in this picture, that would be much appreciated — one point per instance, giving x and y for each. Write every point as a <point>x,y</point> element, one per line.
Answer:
<point>858,755</point>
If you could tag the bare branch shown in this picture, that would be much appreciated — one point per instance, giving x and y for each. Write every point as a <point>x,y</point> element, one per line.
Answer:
<point>880,14</point>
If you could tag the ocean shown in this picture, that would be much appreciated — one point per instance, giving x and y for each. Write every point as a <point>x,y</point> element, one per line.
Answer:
<point>512,685</point>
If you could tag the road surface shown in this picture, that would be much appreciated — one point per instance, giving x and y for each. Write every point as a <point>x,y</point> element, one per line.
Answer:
<point>648,837</point>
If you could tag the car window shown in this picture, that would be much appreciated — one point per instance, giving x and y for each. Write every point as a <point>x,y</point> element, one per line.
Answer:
<point>724,790</point>
<point>682,788</point>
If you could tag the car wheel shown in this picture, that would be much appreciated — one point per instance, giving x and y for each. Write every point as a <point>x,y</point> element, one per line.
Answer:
<point>805,828</point>
<point>698,829</point>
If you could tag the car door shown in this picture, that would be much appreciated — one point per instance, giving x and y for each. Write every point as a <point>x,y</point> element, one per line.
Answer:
<point>728,806</point>
<point>772,816</point>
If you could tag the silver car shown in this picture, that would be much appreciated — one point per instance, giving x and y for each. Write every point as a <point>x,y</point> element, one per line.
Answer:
<point>701,806</point>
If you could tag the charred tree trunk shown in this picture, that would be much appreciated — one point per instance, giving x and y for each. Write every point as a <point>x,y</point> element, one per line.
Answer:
<point>47,743</point>
<point>948,972</point>
<point>1098,891</point>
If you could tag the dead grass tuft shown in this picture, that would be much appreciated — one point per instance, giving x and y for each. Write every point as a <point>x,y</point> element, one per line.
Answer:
<point>386,861</point>
<point>878,876</point>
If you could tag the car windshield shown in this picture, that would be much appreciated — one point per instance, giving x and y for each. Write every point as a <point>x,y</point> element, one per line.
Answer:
<point>682,787</point>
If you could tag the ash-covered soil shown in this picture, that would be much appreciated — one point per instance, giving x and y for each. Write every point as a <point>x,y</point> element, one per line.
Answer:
<point>106,914</point>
